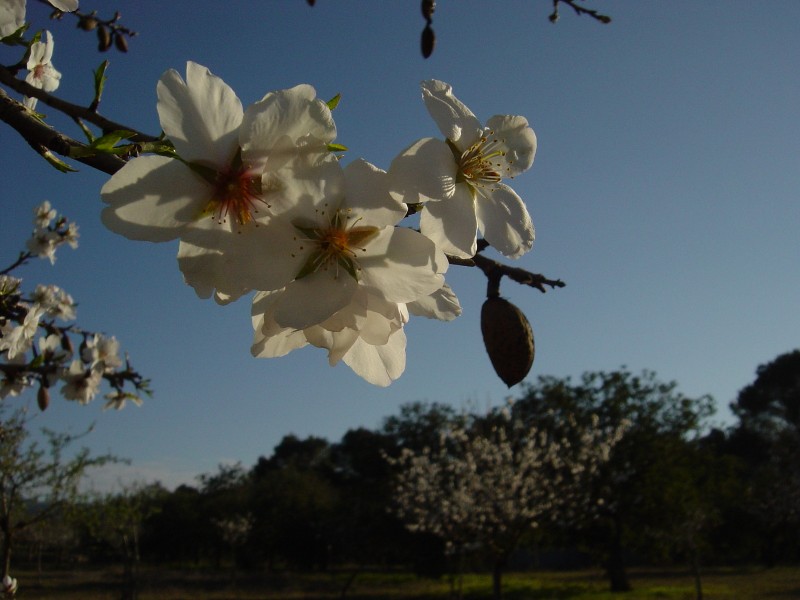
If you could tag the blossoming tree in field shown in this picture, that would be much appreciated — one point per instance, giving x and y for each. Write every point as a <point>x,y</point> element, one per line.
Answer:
<point>487,485</point>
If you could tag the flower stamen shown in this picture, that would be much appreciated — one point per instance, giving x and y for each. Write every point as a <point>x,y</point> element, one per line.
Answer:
<point>237,195</point>
<point>475,165</point>
<point>336,244</point>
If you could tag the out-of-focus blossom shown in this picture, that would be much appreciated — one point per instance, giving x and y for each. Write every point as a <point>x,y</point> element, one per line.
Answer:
<point>460,178</point>
<point>43,215</point>
<point>101,352</point>
<point>9,285</point>
<point>55,302</point>
<point>41,73</point>
<point>9,586</point>
<point>118,399</point>
<point>17,340</point>
<point>81,384</point>
<point>43,243</point>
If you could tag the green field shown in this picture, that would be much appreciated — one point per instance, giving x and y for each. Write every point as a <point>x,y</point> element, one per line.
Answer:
<point>781,583</point>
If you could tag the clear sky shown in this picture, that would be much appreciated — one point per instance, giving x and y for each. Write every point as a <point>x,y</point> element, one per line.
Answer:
<point>664,193</point>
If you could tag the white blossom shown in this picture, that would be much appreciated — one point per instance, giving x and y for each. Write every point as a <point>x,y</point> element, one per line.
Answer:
<point>101,352</point>
<point>460,178</point>
<point>41,73</point>
<point>81,384</point>
<point>43,243</point>
<point>118,399</point>
<point>43,215</point>
<point>55,302</point>
<point>215,197</point>
<point>17,340</point>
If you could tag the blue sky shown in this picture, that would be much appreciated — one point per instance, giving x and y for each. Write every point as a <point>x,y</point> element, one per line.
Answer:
<point>664,193</point>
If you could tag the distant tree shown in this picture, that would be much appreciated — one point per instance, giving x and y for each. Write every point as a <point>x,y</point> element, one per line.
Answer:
<point>647,483</point>
<point>771,404</point>
<point>486,486</point>
<point>767,440</point>
<point>115,520</point>
<point>36,484</point>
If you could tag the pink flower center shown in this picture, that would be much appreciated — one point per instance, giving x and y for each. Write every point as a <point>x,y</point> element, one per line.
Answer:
<point>237,195</point>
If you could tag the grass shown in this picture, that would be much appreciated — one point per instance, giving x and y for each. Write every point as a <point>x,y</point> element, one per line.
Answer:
<point>781,583</point>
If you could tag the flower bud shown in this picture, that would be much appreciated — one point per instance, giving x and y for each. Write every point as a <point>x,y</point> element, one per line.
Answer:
<point>103,38</point>
<point>43,398</point>
<point>428,41</point>
<point>87,23</point>
<point>121,43</point>
<point>508,338</point>
<point>428,8</point>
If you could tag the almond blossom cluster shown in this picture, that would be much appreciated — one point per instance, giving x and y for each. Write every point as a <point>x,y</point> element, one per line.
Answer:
<point>38,334</point>
<point>260,202</point>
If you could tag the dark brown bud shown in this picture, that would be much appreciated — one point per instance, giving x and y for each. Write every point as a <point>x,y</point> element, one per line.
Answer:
<point>428,41</point>
<point>310,2</point>
<point>103,38</point>
<point>43,397</point>
<point>87,23</point>
<point>508,338</point>
<point>121,42</point>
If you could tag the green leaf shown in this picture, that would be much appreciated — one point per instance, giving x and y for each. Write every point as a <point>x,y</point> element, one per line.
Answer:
<point>57,162</point>
<point>107,142</point>
<point>99,82</point>
<point>334,102</point>
<point>336,148</point>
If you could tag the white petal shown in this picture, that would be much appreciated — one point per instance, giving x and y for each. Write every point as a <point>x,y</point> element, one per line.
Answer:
<point>505,222</point>
<point>200,116</point>
<point>257,257</point>
<point>65,5</point>
<point>279,344</point>
<point>293,113</point>
<point>12,16</point>
<point>455,120</point>
<point>302,184</point>
<point>426,170</point>
<point>314,298</point>
<point>441,304</point>
<point>519,143</point>
<point>400,265</point>
<point>452,224</point>
<point>338,343</point>
<point>153,198</point>
<point>379,365</point>
<point>367,191</point>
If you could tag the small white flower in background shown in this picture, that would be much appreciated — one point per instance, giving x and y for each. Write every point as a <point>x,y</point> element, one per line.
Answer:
<point>15,385</point>
<point>460,178</point>
<point>215,197</point>
<point>81,384</point>
<point>43,243</point>
<point>118,399</point>
<point>16,341</point>
<point>56,302</point>
<point>101,352</point>
<point>9,285</point>
<point>43,215</point>
<point>42,74</point>
<point>65,5</point>
<point>12,16</point>
<point>50,347</point>
<point>9,586</point>
<point>71,235</point>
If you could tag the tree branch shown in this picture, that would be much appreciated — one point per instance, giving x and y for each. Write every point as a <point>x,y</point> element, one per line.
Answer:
<point>43,138</point>
<point>73,110</point>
